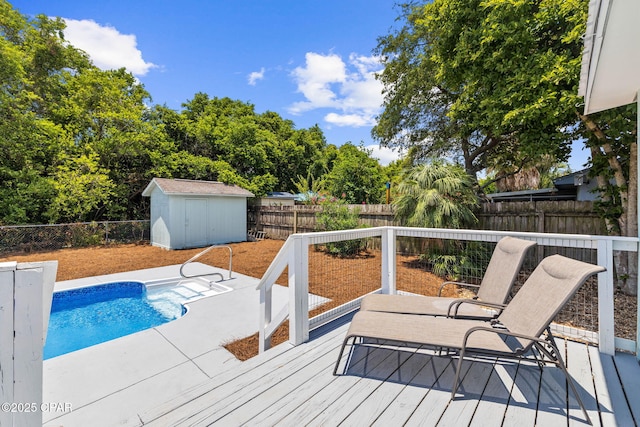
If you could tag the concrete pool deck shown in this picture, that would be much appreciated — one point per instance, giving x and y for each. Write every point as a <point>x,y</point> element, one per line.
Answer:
<point>110,383</point>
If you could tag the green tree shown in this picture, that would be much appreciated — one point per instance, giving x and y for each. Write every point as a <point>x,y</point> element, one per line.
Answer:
<point>263,149</point>
<point>355,176</point>
<point>436,195</point>
<point>34,66</point>
<point>492,83</point>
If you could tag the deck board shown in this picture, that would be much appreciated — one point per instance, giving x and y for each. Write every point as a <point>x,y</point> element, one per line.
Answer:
<point>386,393</point>
<point>399,411</point>
<point>579,367</point>
<point>629,373</point>
<point>460,411</point>
<point>496,396</point>
<point>325,389</point>
<point>436,401</point>
<point>384,386</point>
<point>256,383</point>
<point>609,383</point>
<point>522,403</point>
<point>552,399</point>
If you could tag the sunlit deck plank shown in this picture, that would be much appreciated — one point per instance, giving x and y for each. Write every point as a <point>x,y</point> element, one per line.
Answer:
<point>314,407</point>
<point>552,398</point>
<point>616,411</point>
<point>493,405</point>
<point>219,387</point>
<point>460,411</point>
<point>435,402</point>
<point>579,367</point>
<point>402,407</point>
<point>629,372</point>
<point>524,395</point>
<point>257,384</point>
<point>385,394</point>
<point>388,387</point>
<point>241,407</point>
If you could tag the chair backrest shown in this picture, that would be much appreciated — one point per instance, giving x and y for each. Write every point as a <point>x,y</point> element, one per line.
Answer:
<point>546,291</point>
<point>503,269</point>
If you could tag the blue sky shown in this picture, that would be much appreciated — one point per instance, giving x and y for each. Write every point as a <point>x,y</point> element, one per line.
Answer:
<point>310,61</point>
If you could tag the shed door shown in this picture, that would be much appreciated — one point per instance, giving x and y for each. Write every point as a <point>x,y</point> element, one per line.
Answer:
<point>195,221</point>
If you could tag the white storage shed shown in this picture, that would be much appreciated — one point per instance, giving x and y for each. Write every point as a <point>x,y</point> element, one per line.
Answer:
<point>191,214</point>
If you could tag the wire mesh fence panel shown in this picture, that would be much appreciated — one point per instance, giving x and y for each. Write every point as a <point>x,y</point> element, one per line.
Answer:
<point>424,264</point>
<point>33,238</point>
<point>335,280</point>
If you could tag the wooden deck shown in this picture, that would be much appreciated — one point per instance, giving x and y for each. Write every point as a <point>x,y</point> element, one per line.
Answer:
<point>383,387</point>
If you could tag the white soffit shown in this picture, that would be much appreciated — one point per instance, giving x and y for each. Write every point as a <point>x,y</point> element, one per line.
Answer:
<point>610,74</point>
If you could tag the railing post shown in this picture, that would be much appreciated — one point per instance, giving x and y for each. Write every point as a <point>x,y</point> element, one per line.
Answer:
<point>264,342</point>
<point>606,329</point>
<point>299,291</point>
<point>25,302</point>
<point>388,267</point>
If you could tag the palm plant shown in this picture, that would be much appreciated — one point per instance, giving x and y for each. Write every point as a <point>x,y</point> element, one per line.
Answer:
<point>436,195</point>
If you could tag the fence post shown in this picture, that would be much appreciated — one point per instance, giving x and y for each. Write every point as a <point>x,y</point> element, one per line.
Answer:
<point>25,296</point>
<point>606,330</point>
<point>388,267</point>
<point>299,291</point>
<point>295,220</point>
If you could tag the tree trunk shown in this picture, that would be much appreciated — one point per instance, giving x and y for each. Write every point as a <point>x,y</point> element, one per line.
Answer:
<point>626,264</point>
<point>631,284</point>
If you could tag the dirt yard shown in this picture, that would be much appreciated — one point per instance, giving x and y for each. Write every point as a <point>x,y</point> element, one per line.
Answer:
<point>250,258</point>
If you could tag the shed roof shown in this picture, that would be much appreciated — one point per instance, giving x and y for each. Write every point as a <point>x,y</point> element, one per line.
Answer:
<point>195,188</point>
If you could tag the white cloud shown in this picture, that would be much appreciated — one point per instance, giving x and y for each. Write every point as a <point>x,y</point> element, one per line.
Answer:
<point>352,120</point>
<point>108,48</point>
<point>383,154</point>
<point>350,89</point>
<point>255,76</point>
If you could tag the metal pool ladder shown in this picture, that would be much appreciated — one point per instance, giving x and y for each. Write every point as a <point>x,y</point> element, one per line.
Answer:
<point>207,274</point>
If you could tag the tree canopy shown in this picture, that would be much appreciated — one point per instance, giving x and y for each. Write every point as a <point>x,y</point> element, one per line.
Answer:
<point>81,144</point>
<point>487,82</point>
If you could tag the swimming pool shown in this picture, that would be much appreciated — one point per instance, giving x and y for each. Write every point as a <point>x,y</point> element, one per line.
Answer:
<point>92,315</point>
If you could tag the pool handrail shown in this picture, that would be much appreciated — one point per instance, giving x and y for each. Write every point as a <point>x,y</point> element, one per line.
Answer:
<point>207,274</point>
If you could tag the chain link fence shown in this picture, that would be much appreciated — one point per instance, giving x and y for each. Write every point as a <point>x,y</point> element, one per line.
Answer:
<point>34,238</point>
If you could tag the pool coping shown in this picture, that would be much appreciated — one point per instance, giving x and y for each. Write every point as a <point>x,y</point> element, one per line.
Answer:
<point>110,383</point>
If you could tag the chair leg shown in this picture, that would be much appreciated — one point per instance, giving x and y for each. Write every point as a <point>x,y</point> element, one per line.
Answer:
<point>555,357</point>
<point>457,377</point>
<point>573,388</point>
<point>344,344</point>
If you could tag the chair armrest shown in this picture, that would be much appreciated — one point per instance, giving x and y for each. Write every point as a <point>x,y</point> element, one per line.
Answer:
<point>455,305</point>
<point>501,331</point>
<point>455,283</point>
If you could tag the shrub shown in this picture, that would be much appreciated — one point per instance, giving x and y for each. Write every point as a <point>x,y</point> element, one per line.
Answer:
<point>336,215</point>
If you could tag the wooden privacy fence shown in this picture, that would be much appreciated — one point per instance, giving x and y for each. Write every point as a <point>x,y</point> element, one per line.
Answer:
<point>569,217</point>
<point>278,222</point>
<point>565,217</point>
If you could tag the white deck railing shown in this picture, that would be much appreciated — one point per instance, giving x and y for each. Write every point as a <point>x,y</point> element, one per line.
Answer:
<point>294,255</point>
<point>26,291</point>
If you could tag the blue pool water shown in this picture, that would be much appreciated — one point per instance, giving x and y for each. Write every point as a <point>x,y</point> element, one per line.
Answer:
<point>87,316</point>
